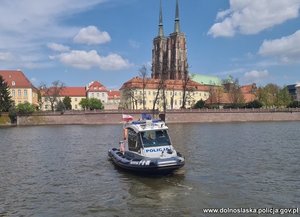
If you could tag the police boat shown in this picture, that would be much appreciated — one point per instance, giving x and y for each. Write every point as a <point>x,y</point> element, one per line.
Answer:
<point>147,148</point>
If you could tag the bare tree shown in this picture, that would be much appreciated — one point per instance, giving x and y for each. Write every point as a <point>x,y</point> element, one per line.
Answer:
<point>131,101</point>
<point>235,93</point>
<point>160,87</point>
<point>143,73</point>
<point>185,82</point>
<point>52,93</point>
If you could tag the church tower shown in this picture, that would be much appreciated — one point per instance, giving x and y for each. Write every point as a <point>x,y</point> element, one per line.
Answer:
<point>169,55</point>
<point>159,51</point>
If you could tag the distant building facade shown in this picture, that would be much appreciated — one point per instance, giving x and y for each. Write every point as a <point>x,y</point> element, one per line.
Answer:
<point>21,89</point>
<point>169,54</point>
<point>132,93</point>
<point>96,90</point>
<point>298,92</point>
<point>76,94</point>
<point>293,91</point>
<point>114,99</point>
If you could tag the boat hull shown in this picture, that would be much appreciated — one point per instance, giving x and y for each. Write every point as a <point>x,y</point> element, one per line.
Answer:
<point>146,165</point>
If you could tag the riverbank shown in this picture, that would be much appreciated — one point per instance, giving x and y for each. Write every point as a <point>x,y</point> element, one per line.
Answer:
<point>182,116</point>
<point>5,120</point>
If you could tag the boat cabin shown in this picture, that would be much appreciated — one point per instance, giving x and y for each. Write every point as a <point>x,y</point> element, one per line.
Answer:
<point>148,138</point>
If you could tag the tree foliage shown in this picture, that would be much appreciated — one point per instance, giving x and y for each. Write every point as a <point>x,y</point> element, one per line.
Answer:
<point>5,99</point>
<point>95,104</point>
<point>67,102</point>
<point>60,107</point>
<point>274,96</point>
<point>254,104</point>
<point>91,104</point>
<point>25,108</point>
<point>199,105</point>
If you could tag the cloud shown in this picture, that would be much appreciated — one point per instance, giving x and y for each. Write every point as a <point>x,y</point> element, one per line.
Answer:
<point>287,48</point>
<point>253,16</point>
<point>91,35</point>
<point>58,47</point>
<point>256,76</point>
<point>27,25</point>
<point>134,44</point>
<point>90,59</point>
<point>6,56</point>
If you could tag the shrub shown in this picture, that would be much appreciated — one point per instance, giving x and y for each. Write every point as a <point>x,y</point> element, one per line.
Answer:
<point>25,108</point>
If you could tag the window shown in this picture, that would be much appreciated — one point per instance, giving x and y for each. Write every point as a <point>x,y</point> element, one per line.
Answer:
<point>75,99</point>
<point>155,138</point>
<point>98,95</point>
<point>134,143</point>
<point>13,83</point>
<point>102,94</point>
<point>13,93</point>
<point>76,107</point>
<point>19,92</point>
<point>25,92</point>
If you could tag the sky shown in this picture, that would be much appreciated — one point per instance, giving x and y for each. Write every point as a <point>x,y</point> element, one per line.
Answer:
<point>79,41</point>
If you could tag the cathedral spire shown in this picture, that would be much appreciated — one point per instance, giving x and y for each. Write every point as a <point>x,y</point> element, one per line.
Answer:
<point>177,23</point>
<point>160,25</point>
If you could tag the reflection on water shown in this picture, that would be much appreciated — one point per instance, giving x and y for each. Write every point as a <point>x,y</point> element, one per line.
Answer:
<point>64,171</point>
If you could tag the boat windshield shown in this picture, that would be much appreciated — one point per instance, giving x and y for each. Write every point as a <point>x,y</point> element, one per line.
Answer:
<point>155,138</point>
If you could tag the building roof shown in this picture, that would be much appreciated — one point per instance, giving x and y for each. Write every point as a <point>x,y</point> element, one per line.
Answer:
<point>96,86</point>
<point>67,91</point>
<point>137,83</point>
<point>16,79</point>
<point>206,79</point>
<point>250,88</point>
<point>73,92</point>
<point>114,94</point>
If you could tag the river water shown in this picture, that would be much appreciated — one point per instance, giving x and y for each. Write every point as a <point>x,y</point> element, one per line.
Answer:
<point>64,171</point>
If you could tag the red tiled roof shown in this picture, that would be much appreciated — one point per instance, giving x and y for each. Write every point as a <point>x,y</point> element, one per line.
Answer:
<point>16,79</point>
<point>68,91</point>
<point>226,99</point>
<point>96,86</point>
<point>137,82</point>
<point>73,91</point>
<point>114,94</point>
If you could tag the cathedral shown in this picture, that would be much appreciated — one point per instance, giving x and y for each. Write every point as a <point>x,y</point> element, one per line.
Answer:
<point>169,54</point>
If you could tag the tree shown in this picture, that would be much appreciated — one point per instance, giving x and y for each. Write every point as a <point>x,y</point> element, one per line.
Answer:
<point>25,108</point>
<point>284,98</point>
<point>52,93</point>
<point>60,107</point>
<point>130,99</point>
<point>95,104</point>
<point>160,87</point>
<point>143,73</point>
<point>84,103</point>
<point>235,94</point>
<point>254,104</point>
<point>185,81</point>
<point>67,102</point>
<point>5,99</point>
<point>199,105</point>
<point>91,104</point>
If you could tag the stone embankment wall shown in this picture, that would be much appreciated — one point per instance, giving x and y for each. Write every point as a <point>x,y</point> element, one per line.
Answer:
<point>4,119</point>
<point>171,117</point>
